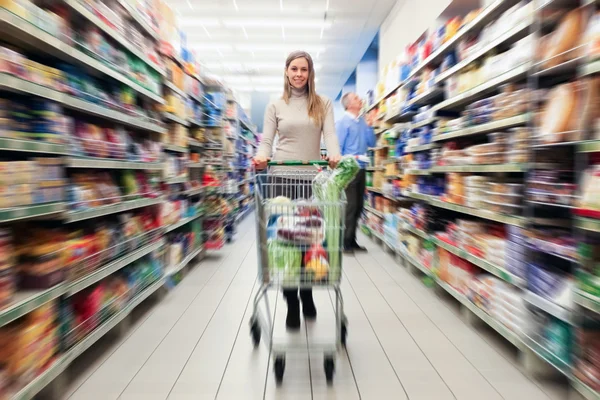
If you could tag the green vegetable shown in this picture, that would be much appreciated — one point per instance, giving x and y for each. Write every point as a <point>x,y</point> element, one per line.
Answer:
<point>328,189</point>
<point>285,261</point>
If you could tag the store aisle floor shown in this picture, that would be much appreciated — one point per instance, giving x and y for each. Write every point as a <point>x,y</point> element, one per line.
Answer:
<point>404,342</point>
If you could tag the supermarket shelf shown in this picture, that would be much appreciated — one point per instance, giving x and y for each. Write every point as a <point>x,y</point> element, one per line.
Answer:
<point>589,146</point>
<point>80,215</point>
<point>588,224</point>
<point>175,118</point>
<point>176,180</point>
<point>17,85</point>
<point>174,148</point>
<point>177,268</point>
<point>566,67</point>
<point>502,124</point>
<point>496,168</point>
<point>32,211</point>
<point>21,32</point>
<point>112,267</point>
<point>541,203</point>
<point>549,307</point>
<point>139,19</point>
<point>546,355</point>
<point>483,89</point>
<point>425,122</point>
<point>240,216</point>
<point>397,118</point>
<point>476,212</point>
<point>194,143</point>
<point>590,68</point>
<point>419,232</point>
<point>587,392</point>
<point>374,190</point>
<point>426,97</point>
<point>587,300</point>
<point>509,335</point>
<point>417,264</point>
<point>422,147</point>
<point>424,197</point>
<point>181,223</point>
<point>374,211</point>
<point>27,301</point>
<point>32,146</point>
<point>196,98</point>
<point>62,362</point>
<point>82,10</point>
<point>422,172</point>
<point>196,165</point>
<point>482,19</point>
<point>518,32</point>
<point>483,264</point>
<point>195,191</point>
<point>171,86</point>
<point>90,162</point>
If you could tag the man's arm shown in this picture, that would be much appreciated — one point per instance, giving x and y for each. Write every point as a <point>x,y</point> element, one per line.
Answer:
<point>371,139</point>
<point>342,133</point>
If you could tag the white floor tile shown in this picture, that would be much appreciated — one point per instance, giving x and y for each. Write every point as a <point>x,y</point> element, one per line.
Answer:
<point>404,342</point>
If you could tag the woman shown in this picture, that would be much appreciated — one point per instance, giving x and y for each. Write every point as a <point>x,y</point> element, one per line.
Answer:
<point>300,118</point>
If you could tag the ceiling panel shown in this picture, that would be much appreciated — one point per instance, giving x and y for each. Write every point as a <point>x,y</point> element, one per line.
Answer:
<point>247,41</point>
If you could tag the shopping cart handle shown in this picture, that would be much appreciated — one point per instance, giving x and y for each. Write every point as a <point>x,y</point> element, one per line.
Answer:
<point>296,163</point>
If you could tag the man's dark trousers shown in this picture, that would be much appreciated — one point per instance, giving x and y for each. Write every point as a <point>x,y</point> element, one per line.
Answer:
<point>355,193</point>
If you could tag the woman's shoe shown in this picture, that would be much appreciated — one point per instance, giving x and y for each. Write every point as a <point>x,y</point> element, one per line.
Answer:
<point>292,320</point>
<point>308,305</point>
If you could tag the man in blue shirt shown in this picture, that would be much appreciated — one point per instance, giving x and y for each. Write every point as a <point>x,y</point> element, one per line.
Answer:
<point>355,136</point>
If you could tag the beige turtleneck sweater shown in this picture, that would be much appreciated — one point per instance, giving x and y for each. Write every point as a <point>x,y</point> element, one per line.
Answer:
<point>299,137</point>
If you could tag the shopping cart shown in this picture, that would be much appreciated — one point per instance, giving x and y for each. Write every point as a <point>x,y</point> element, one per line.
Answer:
<point>302,224</point>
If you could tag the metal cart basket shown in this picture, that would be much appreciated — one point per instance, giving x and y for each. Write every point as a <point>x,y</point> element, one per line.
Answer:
<point>299,246</point>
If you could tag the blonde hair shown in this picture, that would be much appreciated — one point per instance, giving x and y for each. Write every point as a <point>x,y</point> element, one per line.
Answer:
<point>316,105</point>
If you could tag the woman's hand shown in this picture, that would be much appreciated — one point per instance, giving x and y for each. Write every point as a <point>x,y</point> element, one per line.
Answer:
<point>260,162</point>
<point>334,160</point>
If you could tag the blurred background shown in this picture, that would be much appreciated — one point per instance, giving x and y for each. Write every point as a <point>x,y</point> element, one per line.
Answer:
<point>127,130</point>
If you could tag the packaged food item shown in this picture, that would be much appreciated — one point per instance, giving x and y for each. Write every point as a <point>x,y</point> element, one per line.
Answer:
<point>487,148</point>
<point>489,158</point>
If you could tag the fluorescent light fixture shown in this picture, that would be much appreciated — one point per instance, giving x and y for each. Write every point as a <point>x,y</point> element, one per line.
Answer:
<point>322,30</point>
<point>220,52</point>
<point>326,5</point>
<point>245,32</point>
<point>279,47</point>
<point>190,4</point>
<point>236,6</point>
<point>281,5</point>
<point>206,31</point>
<point>194,22</point>
<point>212,46</point>
<point>275,23</point>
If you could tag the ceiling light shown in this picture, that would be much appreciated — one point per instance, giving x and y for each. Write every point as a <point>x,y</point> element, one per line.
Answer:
<point>281,5</point>
<point>190,4</point>
<point>206,31</point>
<point>279,47</point>
<point>220,53</point>
<point>322,30</point>
<point>273,23</point>
<point>236,6</point>
<point>245,32</point>
<point>326,5</point>
<point>194,22</point>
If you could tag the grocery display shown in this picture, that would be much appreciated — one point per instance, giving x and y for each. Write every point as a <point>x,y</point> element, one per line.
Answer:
<point>491,188</point>
<point>110,141</point>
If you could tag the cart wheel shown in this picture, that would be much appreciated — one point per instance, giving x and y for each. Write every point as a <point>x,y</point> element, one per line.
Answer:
<point>329,365</point>
<point>279,368</point>
<point>344,333</point>
<point>255,332</point>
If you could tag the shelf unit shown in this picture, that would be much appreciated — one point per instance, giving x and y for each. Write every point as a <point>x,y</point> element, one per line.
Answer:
<point>149,116</point>
<point>532,74</point>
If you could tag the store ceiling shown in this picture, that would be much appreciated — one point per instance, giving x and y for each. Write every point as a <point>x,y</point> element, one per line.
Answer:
<point>246,41</point>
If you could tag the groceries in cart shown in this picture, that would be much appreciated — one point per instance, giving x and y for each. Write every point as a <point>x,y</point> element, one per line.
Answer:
<point>304,235</point>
